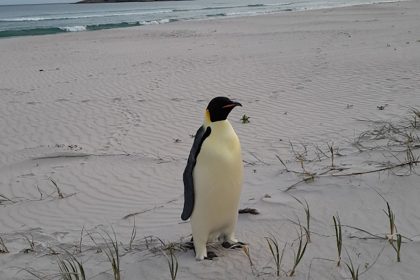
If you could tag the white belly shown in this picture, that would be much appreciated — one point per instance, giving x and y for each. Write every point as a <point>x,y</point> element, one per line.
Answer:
<point>217,182</point>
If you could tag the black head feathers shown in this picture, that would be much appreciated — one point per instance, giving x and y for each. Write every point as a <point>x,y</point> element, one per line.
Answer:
<point>220,107</point>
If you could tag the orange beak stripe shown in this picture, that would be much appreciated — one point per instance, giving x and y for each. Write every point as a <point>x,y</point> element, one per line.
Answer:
<point>232,105</point>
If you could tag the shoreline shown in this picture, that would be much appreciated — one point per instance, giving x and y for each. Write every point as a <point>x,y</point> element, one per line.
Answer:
<point>119,1</point>
<point>97,27</point>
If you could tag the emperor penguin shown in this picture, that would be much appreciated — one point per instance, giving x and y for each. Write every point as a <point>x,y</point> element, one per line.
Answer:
<point>213,179</point>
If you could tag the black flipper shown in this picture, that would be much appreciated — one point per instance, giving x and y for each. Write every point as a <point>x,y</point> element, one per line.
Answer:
<point>200,136</point>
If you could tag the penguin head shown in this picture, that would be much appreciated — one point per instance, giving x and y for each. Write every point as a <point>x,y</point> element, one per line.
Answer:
<point>220,107</point>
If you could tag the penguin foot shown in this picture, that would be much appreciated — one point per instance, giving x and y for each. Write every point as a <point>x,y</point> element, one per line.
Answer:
<point>210,256</point>
<point>228,245</point>
<point>189,245</point>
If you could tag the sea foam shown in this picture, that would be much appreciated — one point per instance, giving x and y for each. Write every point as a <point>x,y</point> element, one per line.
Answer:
<point>73,28</point>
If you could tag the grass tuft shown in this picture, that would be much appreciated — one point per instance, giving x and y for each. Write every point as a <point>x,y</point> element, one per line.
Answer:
<point>111,251</point>
<point>331,150</point>
<point>245,119</point>
<point>410,158</point>
<point>31,244</point>
<point>71,268</point>
<point>133,235</point>
<point>245,248</point>
<point>416,112</point>
<point>305,206</point>
<point>81,239</point>
<point>354,272</point>
<point>282,162</point>
<point>397,246</point>
<point>391,218</point>
<point>3,248</point>
<point>414,122</point>
<point>172,260</point>
<point>338,237</point>
<point>4,199</point>
<point>298,255</point>
<point>59,192</point>
<point>273,245</point>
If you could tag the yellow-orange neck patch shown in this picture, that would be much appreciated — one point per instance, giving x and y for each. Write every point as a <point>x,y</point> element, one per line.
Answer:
<point>207,119</point>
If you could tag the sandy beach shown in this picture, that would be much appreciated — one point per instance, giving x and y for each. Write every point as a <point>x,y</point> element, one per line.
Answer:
<point>96,128</point>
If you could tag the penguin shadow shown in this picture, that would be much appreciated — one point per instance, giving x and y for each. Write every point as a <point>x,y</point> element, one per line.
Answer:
<point>189,245</point>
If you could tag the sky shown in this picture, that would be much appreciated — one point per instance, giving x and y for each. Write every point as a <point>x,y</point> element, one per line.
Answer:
<point>17,2</point>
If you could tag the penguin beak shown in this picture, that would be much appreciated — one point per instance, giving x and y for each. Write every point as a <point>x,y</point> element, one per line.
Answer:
<point>232,105</point>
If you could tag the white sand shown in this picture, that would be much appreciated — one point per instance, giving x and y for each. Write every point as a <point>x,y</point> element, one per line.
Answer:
<point>103,117</point>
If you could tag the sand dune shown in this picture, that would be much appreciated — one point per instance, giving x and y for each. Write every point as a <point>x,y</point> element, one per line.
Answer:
<point>109,116</point>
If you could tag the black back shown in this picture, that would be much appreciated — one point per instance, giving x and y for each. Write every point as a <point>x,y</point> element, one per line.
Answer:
<point>200,136</point>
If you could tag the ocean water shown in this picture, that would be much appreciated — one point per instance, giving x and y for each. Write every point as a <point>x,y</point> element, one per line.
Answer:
<point>21,20</point>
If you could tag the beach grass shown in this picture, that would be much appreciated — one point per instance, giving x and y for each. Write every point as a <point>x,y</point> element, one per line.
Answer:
<point>31,243</point>
<point>415,118</point>
<point>397,246</point>
<point>3,247</point>
<point>273,245</point>
<point>4,198</point>
<point>246,251</point>
<point>338,237</point>
<point>245,119</point>
<point>59,192</point>
<point>81,240</point>
<point>391,220</point>
<point>305,206</point>
<point>354,271</point>
<point>133,235</point>
<point>111,251</point>
<point>70,268</point>
<point>172,260</point>
<point>331,150</point>
<point>298,254</point>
